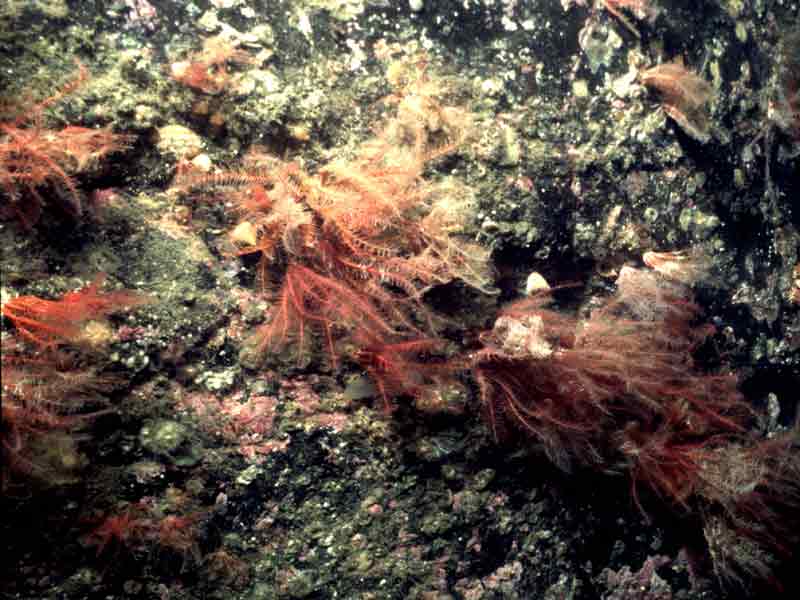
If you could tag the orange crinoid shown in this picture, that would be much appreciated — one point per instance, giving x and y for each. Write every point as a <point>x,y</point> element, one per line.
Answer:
<point>38,164</point>
<point>46,391</point>
<point>355,246</point>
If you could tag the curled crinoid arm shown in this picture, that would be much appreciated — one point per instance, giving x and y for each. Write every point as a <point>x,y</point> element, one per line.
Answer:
<point>665,461</point>
<point>208,70</point>
<point>520,396</point>
<point>127,529</point>
<point>84,146</point>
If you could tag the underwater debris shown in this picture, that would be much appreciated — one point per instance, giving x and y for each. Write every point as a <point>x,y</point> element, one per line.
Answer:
<point>684,96</point>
